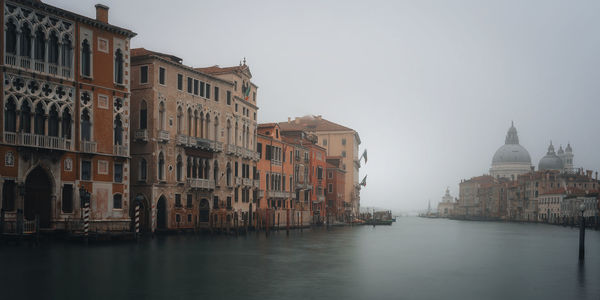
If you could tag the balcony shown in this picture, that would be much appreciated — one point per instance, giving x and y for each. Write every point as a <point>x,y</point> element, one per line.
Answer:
<point>306,160</point>
<point>163,136</point>
<point>256,183</point>
<point>239,151</point>
<point>199,183</point>
<point>320,199</point>
<point>230,149</point>
<point>182,140</point>
<point>309,186</point>
<point>261,194</point>
<point>255,156</point>
<point>24,62</point>
<point>141,135</point>
<point>278,194</point>
<point>199,143</point>
<point>88,147</point>
<point>293,195</point>
<point>297,157</point>
<point>247,182</point>
<point>300,185</point>
<point>276,162</point>
<point>120,150</point>
<point>238,181</point>
<point>37,140</point>
<point>218,146</point>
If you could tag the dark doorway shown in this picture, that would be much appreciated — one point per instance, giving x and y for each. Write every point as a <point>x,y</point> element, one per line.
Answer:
<point>144,213</point>
<point>161,213</point>
<point>204,210</point>
<point>38,191</point>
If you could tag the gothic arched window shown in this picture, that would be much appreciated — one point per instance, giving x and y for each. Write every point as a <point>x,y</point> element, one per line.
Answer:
<point>66,53</point>
<point>40,45</point>
<point>11,38</point>
<point>119,66</point>
<point>53,122</point>
<point>179,120</point>
<point>179,168</point>
<point>86,126</point>
<point>66,124</point>
<point>86,59</point>
<point>53,48</point>
<point>25,41</point>
<point>25,117</point>
<point>161,115</point>
<point>10,116</point>
<point>118,130</point>
<point>161,166</point>
<point>143,169</point>
<point>39,125</point>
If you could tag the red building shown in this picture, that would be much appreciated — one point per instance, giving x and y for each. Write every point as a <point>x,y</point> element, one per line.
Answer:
<point>334,191</point>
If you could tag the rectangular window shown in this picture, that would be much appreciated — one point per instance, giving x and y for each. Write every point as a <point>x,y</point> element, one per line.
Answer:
<point>236,107</point>
<point>161,75</point>
<point>189,201</point>
<point>201,89</point>
<point>330,188</point>
<point>216,202</point>
<point>330,175</point>
<point>143,74</point>
<point>259,150</point>
<point>343,153</point>
<point>228,97</point>
<point>236,195</point>
<point>189,85</point>
<point>216,93</point>
<point>229,202</point>
<point>180,82</point>
<point>268,152</point>
<point>86,170</point>
<point>343,141</point>
<point>324,142</point>
<point>8,195</point>
<point>254,96</point>
<point>118,172</point>
<point>117,201</point>
<point>208,91</point>
<point>177,200</point>
<point>189,218</point>
<point>319,173</point>
<point>196,87</point>
<point>67,198</point>
<point>236,169</point>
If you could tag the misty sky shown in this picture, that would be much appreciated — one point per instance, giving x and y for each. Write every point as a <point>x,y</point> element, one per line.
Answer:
<point>431,86</point>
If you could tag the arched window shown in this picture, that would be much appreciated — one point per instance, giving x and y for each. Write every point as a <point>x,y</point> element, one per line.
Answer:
<point>25,41</point>
<point>39,125</point>
<point>228,174</point>
<point>216,173</point>
<point>235,134</point>
<point>119,66</point>
<point>11,38</point>
<point>207,135</point>
<point>86,126</point>
<point>189,168</point>
<point>143,115</point>
<point>194,168</point>
<point>40,45</point>
<point>143,169</point>
<point>267,181</point>
<point>206,169</point>
<point>25,117</point>
<point>190,121</point>
<point>179,168</point>
<point>161,115</point>
<point>10,116</point>
<point>216,132</point>
<point>66,53</point>
<point>53,122</point>
<point>66,124</point>
<point>117,201</point>
<point>179,120</point>
<point>200,169</point>
<point>118,130</point>
<point>161,166</point>
<point>195,123</point>
<point>228,132</point>
<point>53,48</point>
<point>201,125</point>
<point>86,59</point>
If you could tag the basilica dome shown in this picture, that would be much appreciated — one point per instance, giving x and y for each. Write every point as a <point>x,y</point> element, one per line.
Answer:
<point>511,159</point>
<point>550,161</point>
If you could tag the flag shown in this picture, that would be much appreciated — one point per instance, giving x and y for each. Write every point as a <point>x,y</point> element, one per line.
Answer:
<point>364,181</point>
<point>364,155</point>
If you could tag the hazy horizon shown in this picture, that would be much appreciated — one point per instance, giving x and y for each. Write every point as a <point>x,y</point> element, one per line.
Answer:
<point>431,86</point>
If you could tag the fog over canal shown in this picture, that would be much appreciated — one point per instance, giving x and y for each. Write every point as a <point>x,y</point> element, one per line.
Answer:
<point>413,259</point>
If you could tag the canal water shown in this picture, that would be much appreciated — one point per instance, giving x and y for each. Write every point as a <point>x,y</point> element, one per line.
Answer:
<point>413,259</point>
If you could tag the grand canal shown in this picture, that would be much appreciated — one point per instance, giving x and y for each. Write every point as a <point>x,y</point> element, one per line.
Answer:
<point>413,259</point>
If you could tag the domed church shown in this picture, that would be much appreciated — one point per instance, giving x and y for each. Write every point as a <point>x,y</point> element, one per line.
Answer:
<point>563,161</point>
<point>511,159</point>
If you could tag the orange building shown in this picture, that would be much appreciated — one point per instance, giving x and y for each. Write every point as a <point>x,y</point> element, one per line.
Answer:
<point>65,121</point>
<point>275,172</point>
<point>334,191</point>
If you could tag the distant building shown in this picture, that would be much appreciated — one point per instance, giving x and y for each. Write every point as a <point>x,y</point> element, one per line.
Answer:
<point>446,206</point>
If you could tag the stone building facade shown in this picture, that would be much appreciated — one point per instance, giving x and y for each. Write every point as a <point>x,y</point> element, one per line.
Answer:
<point>66,105</point>
<point>193,144</point>
<point>334,190</point>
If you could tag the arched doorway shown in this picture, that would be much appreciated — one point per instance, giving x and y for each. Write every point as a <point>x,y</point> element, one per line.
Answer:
<point>161,213</point>
<point>204,211</point>
<point>38,193</point>
<point>144,213</point>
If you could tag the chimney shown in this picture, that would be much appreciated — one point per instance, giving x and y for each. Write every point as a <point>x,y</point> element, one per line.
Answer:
<point>289,119</point>
<point>102,13</point>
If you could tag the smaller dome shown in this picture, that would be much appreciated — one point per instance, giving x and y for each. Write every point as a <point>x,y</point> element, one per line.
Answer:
<point>550,161</point>
<point>568,149</point>
<point>560,151</point>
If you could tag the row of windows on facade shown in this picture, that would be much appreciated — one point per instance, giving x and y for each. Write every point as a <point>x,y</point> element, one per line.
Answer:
<point>9,194</point>
<point>50,49</point>
<point>86,171</point>
<point>325,142</point>
<point>196,168</point>
<point>52,124</point>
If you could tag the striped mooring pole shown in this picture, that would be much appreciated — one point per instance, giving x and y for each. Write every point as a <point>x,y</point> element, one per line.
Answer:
<point>137,220</point>
<point>153,219</point>
<point>86,220</point>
